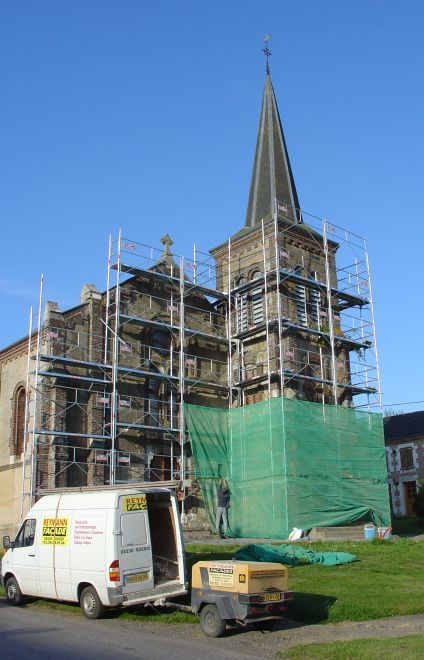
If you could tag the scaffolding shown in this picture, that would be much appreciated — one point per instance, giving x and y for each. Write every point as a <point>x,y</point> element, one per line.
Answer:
<point>291,315</point>
<point>317,324</point>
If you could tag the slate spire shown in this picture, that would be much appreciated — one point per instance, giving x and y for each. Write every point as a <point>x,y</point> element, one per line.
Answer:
<point>272,176</point>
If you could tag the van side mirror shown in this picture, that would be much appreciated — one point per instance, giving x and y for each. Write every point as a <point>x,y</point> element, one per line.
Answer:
<point>6,542</point>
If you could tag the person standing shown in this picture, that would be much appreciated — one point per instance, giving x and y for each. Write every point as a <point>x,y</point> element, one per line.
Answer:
<point>223,502</point>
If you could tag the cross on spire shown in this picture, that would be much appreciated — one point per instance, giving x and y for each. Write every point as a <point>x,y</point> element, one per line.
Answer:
<point>267,53</point>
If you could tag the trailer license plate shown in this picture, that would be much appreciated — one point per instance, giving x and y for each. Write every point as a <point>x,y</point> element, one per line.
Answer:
<point>269,597</point>
<point>137,577</point>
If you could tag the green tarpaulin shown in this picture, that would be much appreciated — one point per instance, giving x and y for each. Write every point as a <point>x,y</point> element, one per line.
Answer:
<point>291,464</point>
<point>292,555</point>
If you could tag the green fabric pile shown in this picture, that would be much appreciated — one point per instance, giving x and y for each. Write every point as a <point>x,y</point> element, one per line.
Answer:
<point>292,555</point>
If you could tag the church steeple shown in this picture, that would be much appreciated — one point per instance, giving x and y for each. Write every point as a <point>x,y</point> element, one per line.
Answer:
<point>272,176</point>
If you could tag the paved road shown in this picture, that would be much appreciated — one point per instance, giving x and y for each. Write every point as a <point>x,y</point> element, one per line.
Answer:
<point>52,635</point>
<point>47,634</point>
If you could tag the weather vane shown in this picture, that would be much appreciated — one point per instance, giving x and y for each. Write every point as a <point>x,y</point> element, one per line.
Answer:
<point>267,52</point>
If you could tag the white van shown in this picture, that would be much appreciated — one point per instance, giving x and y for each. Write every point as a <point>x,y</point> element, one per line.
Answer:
<point>102,549</point>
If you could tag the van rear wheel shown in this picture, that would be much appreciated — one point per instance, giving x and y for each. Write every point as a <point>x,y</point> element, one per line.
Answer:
<point>91,604</point>
<point>13,593</point>
<point>211,622</point>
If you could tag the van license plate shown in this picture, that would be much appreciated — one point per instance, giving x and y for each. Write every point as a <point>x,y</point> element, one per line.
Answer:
<point>136,577</point>
<point>269,597</point>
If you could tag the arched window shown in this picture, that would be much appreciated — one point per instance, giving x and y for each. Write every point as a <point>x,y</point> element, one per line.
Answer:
<point>18,439</point>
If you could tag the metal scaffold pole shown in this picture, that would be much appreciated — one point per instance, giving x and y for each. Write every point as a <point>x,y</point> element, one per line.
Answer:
<point>330,312</point>
<point>362,335</point>
<point>281,353</point>
<point>115,358</point>
<point>27,447</point>
<point>109,256</point>
<point>229,333</point>
<point>266,309</point>
<point>278,294</point>
<point>228,315</point>
<point>34,448</point>
<point>371,302</point>
<point>181,382</point>
<point>173,402</point>
<point>194,264</point>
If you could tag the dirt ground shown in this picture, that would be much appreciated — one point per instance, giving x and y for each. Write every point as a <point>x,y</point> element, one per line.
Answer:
<point>257,644</point>
<point>294,634</point>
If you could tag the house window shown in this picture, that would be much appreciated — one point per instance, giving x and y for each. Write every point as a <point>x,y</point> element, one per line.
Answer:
<point>18,403</point>
<point>406,458</point>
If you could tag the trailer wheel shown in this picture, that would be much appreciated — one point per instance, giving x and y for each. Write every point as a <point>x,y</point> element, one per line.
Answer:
<point>211,622</point>
<point>91,604</point>
<point>13,592</point>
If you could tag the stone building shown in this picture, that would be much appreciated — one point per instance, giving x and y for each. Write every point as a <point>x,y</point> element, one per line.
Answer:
<point>13,377</point>
<point>404,438</point>
<point>276,309</point>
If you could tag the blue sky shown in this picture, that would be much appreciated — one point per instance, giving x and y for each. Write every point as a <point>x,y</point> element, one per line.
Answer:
<point>143,115</point>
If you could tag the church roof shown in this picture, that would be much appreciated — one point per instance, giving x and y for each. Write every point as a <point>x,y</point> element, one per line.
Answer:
<point>272,176</point>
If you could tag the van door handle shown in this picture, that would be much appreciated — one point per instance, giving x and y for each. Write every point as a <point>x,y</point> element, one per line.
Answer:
<point>31,555</point>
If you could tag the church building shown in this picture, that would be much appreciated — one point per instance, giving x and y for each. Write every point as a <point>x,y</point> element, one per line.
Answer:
<point>105,393</point>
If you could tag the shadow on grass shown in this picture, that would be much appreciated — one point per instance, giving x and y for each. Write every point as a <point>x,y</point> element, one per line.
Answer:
<point>309,608</point>
<point>405,526</point>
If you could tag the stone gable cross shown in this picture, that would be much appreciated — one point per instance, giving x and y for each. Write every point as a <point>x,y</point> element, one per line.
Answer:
<point>167,241</point>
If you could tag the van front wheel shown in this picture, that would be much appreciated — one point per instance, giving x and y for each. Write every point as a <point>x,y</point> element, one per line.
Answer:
<point>91,604</point>
<point>13,592</point>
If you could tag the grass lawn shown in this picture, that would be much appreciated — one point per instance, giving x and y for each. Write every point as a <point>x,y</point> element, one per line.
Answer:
<point>386,581</point>
<point>366,649</point>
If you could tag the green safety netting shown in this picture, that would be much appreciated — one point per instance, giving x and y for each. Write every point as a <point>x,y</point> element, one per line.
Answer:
<point>291,464</point>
